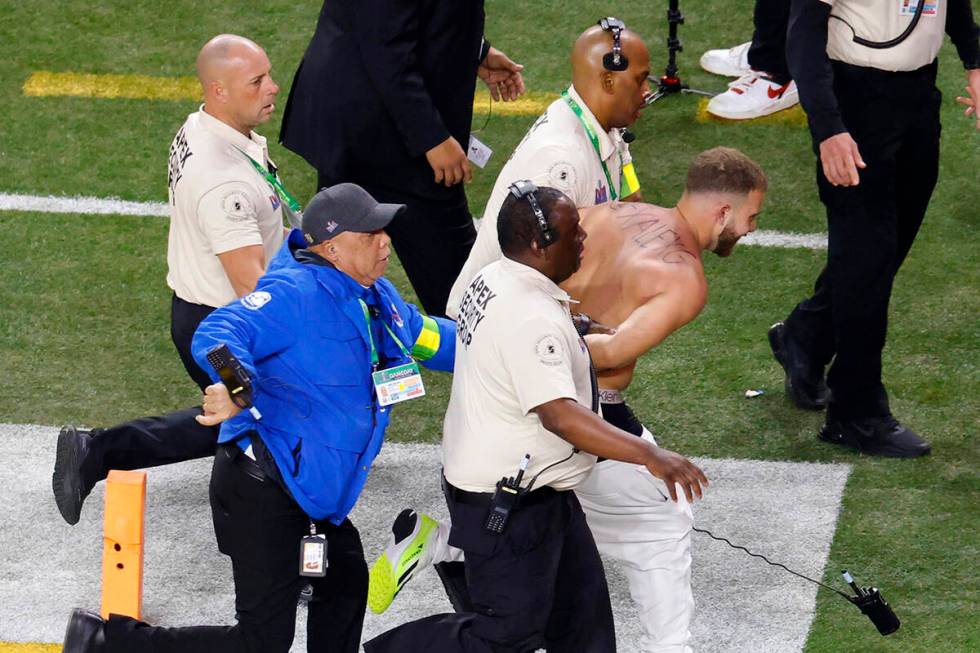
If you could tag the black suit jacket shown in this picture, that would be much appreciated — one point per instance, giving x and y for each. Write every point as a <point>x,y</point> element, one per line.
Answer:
<point>382,82</point>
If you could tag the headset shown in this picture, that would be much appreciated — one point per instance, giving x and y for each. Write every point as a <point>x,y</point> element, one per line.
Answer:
<point>615,61</point>
<point>525,189</point>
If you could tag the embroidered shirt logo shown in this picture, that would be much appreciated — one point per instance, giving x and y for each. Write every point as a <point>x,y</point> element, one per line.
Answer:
<point>256,300</point>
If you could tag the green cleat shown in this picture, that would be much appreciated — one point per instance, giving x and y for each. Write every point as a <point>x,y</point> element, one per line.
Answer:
<point>411,534</point>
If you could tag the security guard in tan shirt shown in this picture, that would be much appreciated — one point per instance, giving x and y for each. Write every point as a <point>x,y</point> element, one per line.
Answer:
<point>226,222</point>
<point>866,73</point>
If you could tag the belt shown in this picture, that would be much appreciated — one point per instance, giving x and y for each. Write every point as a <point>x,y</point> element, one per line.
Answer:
<point>238,458</point>
<point>482,499</point>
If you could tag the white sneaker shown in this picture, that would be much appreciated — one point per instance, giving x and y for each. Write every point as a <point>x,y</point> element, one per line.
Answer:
<point>753,96</point>
<point>733,62</point>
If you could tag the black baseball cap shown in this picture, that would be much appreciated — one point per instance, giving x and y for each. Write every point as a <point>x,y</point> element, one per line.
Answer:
<point>345,207</point>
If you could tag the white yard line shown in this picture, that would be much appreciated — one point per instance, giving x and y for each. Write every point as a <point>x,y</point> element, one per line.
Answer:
<point>787,511</point>
<point>114,206</point>
<point>82,205</point>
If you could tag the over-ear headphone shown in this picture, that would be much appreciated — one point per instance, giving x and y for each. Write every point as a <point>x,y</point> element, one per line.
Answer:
<point>525,189</point>
<point>615,60</point>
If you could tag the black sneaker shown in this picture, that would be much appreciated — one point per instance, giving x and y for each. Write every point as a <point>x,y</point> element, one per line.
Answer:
<point>876,436</point>
<point>805,386</point>
<point>66,481</point>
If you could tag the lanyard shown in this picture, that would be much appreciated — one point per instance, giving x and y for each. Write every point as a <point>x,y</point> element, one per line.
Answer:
<point>273,181</point>
<point>374,351</point>
<point>577,110</point>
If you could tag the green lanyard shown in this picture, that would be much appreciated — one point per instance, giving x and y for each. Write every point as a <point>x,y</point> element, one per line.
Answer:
<point>273,180</point>
<point>374,351</point>
<point>577,110</point>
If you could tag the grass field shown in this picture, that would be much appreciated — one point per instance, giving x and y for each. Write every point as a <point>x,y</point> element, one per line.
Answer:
<point>84,305</point>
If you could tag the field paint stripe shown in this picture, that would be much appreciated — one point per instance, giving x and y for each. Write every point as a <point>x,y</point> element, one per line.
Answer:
<point>141,87</point>
<point>28,647</point>
<point>113,206</point>
<point>786,240</point>
<point>792,116</point>
<point>84,205</point>
<point>145,87</point>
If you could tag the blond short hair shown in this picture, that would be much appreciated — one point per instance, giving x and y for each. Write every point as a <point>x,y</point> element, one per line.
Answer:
<point>725,170</point>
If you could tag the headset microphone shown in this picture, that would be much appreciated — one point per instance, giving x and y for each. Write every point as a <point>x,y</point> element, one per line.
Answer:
<point>615,61</point>
<point>628,136</point>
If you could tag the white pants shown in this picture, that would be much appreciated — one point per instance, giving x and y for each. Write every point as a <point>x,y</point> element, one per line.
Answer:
<point>634,521</point>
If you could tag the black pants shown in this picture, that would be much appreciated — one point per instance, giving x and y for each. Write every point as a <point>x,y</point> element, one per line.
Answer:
<point>538,585</point>
<point>768,50</point>
<point>160,439</point>
<point>185,317</point>
<point>259,527</point>
<point>894,118</point>
<point>432,239</point>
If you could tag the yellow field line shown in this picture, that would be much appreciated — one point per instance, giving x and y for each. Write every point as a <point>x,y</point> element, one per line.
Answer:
<point>792,116</point>
<point>13,647</point>
<point>140,87</point>
<point>145,87</point>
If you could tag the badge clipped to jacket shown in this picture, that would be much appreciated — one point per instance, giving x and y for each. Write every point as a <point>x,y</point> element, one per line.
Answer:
<point>397,384</point>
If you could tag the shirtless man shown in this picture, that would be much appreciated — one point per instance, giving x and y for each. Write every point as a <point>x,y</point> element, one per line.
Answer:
<point>642,273</point>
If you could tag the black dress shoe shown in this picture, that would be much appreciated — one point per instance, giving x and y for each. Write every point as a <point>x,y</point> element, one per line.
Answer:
<point>876,436</point>
<point>805,384</point>
<point>66,481</point>
<point>85,632</point>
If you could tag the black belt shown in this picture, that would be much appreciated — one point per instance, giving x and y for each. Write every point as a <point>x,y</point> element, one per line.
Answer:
<point>482,499</point>
<point>240,459</point>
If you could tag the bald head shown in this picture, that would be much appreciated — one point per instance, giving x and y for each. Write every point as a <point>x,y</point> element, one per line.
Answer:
<point>592,45</point>
<point>238,89</point>
<point>614,97</point>
<point>222,54</point>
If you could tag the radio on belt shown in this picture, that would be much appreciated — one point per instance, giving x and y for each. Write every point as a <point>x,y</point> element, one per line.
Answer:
<point>505,499</point>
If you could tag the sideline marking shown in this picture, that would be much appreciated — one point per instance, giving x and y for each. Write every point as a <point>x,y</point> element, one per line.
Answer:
<point>114,206</point>
<point>142,87</point>
<point>792,116</point>
<point>145,87</point>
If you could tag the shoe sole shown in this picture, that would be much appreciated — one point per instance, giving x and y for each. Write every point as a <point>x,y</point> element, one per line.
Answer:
<point>779,353</point>
<point>776,107</point>
<point>383,585</point>
<point>842,441</point>
<point>67,491</point>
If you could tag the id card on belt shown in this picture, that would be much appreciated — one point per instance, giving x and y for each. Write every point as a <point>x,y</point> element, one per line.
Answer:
<point>313,556</point>
<point>398,384</point>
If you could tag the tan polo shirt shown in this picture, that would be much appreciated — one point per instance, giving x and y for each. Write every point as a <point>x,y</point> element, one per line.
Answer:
<point>516,349</point>
<point>555,152</point>
<point>218,202</point>
<point>883,20</point>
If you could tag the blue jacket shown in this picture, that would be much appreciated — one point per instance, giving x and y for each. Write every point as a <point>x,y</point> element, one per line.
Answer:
<point>303,338</point>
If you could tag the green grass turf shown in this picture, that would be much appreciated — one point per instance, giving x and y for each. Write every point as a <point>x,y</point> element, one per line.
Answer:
<point>84,305</point>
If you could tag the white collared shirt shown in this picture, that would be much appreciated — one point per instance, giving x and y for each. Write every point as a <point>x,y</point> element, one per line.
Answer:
<point>555,152</point>
<point>218,202</point>
<point>516,349</point>
<point>883,20</point>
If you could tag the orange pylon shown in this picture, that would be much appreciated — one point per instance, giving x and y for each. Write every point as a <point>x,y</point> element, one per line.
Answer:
<point>122,552</point>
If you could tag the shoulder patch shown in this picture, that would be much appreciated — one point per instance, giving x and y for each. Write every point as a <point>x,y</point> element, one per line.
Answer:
<point>549,350</point>
<point>237,206</point>
<point>256,300</point>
